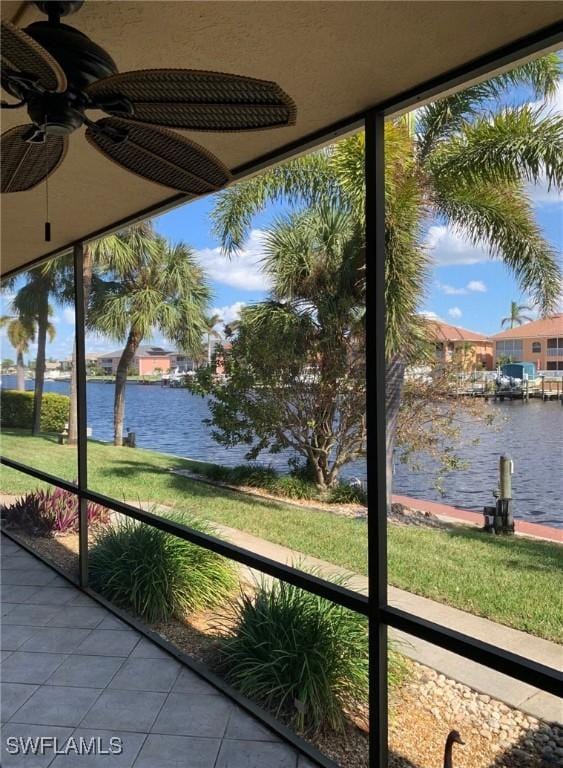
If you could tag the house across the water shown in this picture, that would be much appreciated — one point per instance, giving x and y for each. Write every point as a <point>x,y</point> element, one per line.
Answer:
<point>148,361</point>
<point>539,342</point>
<point>469,348</point>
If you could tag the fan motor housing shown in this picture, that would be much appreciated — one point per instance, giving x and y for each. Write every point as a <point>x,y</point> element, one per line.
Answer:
<point>83,61</point>
<point>56,113</point>
<point>59,7</point>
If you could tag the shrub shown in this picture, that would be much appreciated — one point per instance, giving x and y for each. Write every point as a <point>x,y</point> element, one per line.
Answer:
<point>299,655</point>
<point>343,493</point>
<point>16,410</point>
<point>218,473</point>
<point>155,574</point>
<point>296,485</point>
<point>254,475</point>
<point>295,488</point>
<point>53,512</point>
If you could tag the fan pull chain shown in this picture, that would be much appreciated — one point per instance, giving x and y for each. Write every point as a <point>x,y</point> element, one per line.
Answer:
<point>47,222</point>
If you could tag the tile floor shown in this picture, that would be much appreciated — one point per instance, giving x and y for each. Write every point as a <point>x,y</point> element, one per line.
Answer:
<point>69,668</point>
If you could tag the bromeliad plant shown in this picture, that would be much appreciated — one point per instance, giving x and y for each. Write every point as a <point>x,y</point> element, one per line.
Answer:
<point>53,512</point>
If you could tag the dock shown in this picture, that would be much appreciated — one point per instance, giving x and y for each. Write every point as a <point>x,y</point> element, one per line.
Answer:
<point>543,388</point>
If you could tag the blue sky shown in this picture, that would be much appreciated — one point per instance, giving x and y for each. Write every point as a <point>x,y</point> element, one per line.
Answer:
<point>466,287</point>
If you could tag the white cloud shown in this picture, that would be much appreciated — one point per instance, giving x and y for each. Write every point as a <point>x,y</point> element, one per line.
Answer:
<point>229,313</point>
<point>450,290</point>
<point>540,194</point>
<point>242,271</point>
<point>473,286</point>
<point>96,343</point>
<point>455,312</point>
<point>553,105</point>
<point>429,315</point>
<point>68,316</point>
<point>449,247</point>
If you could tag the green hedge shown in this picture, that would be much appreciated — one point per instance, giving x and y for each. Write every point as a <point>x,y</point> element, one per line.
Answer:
<point>16,410</point>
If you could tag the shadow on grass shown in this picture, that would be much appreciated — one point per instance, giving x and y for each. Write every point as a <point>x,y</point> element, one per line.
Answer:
<point>515,551</point>
<point>134,471</point>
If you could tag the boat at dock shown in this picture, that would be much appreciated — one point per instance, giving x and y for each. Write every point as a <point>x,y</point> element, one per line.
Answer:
<point>176,378</point>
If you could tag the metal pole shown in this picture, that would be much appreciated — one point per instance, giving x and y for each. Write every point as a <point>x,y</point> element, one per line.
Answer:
<point>376,444</point>
<point>81,410</point>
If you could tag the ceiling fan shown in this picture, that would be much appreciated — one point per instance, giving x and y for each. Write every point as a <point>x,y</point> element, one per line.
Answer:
<point>58,74</point>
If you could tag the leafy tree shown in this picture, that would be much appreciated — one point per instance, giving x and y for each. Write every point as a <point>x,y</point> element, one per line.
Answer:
<point>145,284</point>
<point>516,316</point>
<point>466,161</point>
<point>296,371</point>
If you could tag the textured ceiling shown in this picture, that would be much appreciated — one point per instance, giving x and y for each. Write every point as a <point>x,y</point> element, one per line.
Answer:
<point>335,59</point>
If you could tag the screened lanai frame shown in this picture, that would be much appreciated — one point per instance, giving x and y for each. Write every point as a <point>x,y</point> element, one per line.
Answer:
<point>375,606</point>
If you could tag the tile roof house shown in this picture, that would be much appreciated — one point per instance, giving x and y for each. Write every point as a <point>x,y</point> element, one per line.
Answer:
<point>539,342</point>
<point>146,361</point>
<point>475,349</point>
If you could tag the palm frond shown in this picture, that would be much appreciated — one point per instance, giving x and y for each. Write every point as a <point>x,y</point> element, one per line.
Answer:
<point>509,146</point>
<point>500,218</point>
<point>304,181</point>
<point>443,118</point>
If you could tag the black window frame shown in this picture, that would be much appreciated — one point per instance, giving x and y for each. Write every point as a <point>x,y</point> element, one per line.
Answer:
<point>380,614</point>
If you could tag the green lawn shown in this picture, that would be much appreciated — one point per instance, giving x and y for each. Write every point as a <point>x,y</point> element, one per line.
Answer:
<point>515,581</point>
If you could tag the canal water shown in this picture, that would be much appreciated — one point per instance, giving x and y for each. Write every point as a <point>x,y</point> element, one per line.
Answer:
<point>170,420</point>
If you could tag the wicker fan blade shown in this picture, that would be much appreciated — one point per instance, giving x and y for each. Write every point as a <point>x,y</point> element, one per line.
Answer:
<point>193,99</point>
<point>26,164</point>
<point>159,155</point>
<point>22,55</point>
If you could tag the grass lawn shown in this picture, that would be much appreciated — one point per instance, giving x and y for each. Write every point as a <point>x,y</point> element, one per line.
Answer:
<point>515,581</point>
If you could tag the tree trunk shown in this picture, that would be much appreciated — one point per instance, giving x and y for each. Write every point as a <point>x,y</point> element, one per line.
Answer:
<point>208,349</point>
<point>318,474</point>
<point>42,323</point>
<point>133,341</point>
<point>20,372</point>
<point>73,415</point>
<point>394,378</point>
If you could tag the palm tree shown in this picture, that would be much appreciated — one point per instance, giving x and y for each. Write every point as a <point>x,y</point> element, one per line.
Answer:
<point>467,161</point>
<point>94,253</point>
<point>21,332</point>
<point>314,259</point>
<point>516,317</point>
<point>32,302</point>
<point>210,322</point>
<point>142,285</point>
